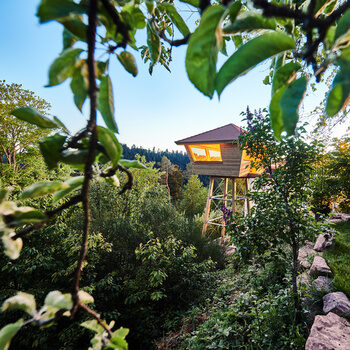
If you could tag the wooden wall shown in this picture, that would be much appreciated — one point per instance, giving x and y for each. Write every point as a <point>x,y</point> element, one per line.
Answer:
<point>231,165</point>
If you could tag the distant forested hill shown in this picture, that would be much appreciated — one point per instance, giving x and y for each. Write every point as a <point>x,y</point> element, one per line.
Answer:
<point>152,155</point>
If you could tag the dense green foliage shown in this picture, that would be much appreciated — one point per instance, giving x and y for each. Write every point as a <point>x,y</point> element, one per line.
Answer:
<point>144,258</point>
<point>338,258</point>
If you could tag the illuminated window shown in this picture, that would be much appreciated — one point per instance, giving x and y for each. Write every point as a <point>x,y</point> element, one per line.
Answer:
<point>206,153</point>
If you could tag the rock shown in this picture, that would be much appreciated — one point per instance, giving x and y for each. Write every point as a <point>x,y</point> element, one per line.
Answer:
<point>320,243</point>
<point>230,250</point>
<point>336,302</point>
<point>306,253</point>
<point>319,267</point>
<point>329,332</point>
<point>323,284</point>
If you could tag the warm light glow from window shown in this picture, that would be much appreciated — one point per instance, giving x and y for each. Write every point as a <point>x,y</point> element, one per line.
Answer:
<point>206,153</point>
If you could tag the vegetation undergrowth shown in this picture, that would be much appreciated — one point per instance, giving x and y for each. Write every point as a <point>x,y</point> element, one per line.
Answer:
<point>251,302</point>
<point>338,258</point>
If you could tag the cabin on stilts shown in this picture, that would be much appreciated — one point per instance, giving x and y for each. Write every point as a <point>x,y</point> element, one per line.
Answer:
<point>217,153</point>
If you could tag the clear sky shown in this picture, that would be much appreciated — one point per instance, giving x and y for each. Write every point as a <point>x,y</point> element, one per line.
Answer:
<point>151,111</point>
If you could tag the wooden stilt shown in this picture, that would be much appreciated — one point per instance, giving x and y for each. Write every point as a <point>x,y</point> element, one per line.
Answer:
<point>234,196</point>
<point>246,191</point>
<point>224,205</point>
<point>207,208</point>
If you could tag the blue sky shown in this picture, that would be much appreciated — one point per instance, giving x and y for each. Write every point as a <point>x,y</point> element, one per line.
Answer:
<point>151,111</point>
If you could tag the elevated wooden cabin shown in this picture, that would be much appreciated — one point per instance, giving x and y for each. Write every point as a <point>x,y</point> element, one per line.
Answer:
<point>217,153</point>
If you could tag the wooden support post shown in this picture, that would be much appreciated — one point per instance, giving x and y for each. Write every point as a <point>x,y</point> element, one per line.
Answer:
<point>246,191</point>
<point>207,208</point>
<point>225,206</point>
<point>234,196</point>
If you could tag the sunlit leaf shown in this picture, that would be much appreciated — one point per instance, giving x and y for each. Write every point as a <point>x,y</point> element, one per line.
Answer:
<point>106,103</point>
<point>39,189</point>
<point>284,74</point>
<point>58,300</point>
<point>153,43</point>
<point>202,51</point>
<point>21,301</point>
<point>248,23</point>
<point>276,113</point>
<point>63,66</point>
<point>289,103</point>
<point>85,298</point>
<point>110,143</point>
<point>132,164</point>
<point>93,326</point>
<point>30,115</point>
<point>194,3</point>
<point>12,248</point>
<point>250,54</point>
<point>339,95</point>
<point>128,61</point>
<point>8,332</point>
<point>78,88</point>
<point>175,17</point>
<point>73,184</point>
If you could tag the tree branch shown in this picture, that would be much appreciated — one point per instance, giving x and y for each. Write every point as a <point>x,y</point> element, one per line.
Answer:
<point>122,28</point>
<point>175,43</point>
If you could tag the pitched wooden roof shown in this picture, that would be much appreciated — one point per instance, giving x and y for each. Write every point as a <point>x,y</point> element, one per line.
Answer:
<point>223,134</point>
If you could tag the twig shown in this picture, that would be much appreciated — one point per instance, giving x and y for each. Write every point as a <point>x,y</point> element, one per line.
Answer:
<point>49,214</point>
<point>97,317</point>
<point>130,181</point>
<point>92,127</point>
<point>175,43</point>
<point>122,28</point>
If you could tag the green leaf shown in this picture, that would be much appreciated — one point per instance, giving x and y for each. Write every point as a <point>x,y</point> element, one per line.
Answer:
<point>76,27</point>
<point>234,9</point>
<point>128,61</point>
<point>68,39</point>
<point>54,9</point>
<point>237,39</point>
<point>63,66</point>
<point>175,17</point>
<point>78,88</point>
<point>75,157</point>
<point>121,332</point>
<point>30,115</point>
<point>61,125</point>
<point>343,25</point>
<point>8,332</point>
<point>194,3</point>
<point>21,301</point>
<point>50,149</point>
<point>105,103</point>
<point>284,74</point>
<point>25,215</point>
<point>73,184</point>
<point>338,97</point>
<point>250,54</point>
<point>248,23</point>
<point>153,43</point>
<point>276,113</point>
<point>58,300</point>
<point>117,343</point>
<point>110,143</point>
<point>202,51</point>
<point>289,103</point>
<point>42,188</point>
<point>132,164</point>
<point>93,326</point>
<point>85,298</point>
<point>12,248</point>
<point>113,180</point>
